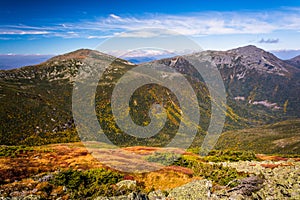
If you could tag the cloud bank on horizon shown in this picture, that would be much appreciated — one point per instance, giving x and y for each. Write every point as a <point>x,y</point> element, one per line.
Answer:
<point>271,29</point>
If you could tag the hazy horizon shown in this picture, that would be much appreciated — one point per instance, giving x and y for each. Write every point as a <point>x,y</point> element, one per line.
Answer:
<point>13,61</point>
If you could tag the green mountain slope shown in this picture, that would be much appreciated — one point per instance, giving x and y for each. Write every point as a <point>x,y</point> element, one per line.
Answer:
<point>282,137</point>
<point>36,101</point>
<point>260,86</point>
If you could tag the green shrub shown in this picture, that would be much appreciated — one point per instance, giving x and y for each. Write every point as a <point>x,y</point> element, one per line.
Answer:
<point>165,158</point>
<point>229,155</point>
<point>90,183</point>
<point>14,151</point>
<point>218,173</point>
<point>224,155</point>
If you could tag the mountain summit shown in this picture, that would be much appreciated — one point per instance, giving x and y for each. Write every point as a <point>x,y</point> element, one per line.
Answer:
<point>79,54</point>
<point>253,58</point>
<point>255,79</point>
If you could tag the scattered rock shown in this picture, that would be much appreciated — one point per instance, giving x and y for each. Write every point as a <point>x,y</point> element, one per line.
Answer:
<point>137,196</point>
<point>131,196</point>
<point>195,190</point>
<point>32,197</point>
<point>156,195</point>
<point>281,182</point>
<point>248,185</point>
<point>46,178</point>
<point>16,194</point>
<point>236,196</point>
<point>126,185</point>
<point>123,197</point>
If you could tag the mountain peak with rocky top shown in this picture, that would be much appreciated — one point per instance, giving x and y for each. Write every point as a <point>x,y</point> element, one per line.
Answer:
<point>251,59</point>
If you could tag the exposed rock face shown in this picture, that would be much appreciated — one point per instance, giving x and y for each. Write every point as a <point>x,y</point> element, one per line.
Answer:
<point>243,61</point>
<point>248,185</point>
<point>263,62</point>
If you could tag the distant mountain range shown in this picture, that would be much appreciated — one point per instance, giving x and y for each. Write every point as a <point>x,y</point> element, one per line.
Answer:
<point>11,61</point>
<point>286,54</point>
<point>36,101</point>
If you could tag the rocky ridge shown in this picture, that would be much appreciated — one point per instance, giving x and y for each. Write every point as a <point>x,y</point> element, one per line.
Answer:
<point>295,61</point>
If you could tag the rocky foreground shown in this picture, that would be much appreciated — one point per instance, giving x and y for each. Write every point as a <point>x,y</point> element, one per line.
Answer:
<point>68,171</point>
<point>267,180</point>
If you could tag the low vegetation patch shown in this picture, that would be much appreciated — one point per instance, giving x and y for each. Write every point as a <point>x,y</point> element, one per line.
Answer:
<point>14,151</point>
<point>95,182</point>
<point>218,173</point>
<point>280,138</point>
<point>165,158</point>
<point>229,155</point>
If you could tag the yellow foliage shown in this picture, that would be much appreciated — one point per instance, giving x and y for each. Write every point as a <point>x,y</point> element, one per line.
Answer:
<point>285,105</point>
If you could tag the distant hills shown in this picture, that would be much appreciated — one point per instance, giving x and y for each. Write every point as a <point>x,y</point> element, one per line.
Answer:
<point>138,60</point>
<point>286,54</point>
<point>36,101</point>
<point>11,61</point>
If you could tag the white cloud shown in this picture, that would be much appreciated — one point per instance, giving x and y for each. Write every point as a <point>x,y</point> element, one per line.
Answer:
<point>139,53</point>
<point>193,24</point>
<point>146,33</point>
<point>196,24</point>
<point>99,36</point>
<point>23,32</point>
<point>115,16</point>
<point>149,52</point>
<point>269,41</point>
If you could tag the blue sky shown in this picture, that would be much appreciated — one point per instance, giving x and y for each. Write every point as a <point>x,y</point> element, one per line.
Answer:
<point>55,27</point>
